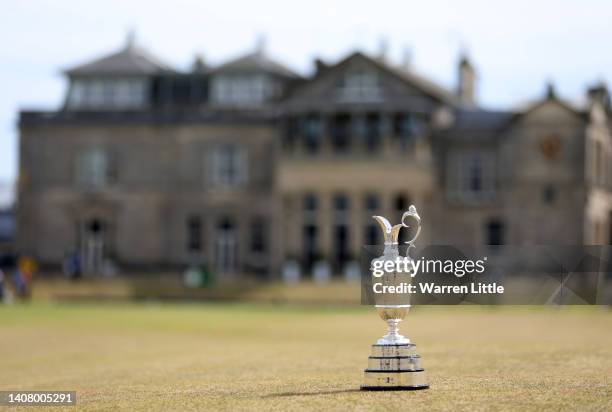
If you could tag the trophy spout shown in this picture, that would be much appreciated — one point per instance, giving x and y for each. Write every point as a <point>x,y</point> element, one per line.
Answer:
<point>390,233</point>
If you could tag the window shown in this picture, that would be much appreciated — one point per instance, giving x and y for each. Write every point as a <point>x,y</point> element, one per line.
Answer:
<point>405,127</point>
<point>549,194</point>
<point>341,132</point>
<point>229,166</point>
<point>313,132</point>
<point>341,203</point>
<point>372,232</point>
<point>311,203</point>
<point>359,85</point>
<point>471,177</point>
<point>341,246</point>
<point>258,235</point>
<point>373,131</point>
<point>241,89</point>
<point>107,93</point>
<point>94,168</point>
<point>194,234</point>
<point>371,203</point>
<point>341,206</point>
<point>401,204</point>
<point>495,233</point>
<point>76,97</point>
<point>310,234</point>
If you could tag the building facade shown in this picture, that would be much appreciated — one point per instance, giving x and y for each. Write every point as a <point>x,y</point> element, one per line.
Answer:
<point>247,166</point>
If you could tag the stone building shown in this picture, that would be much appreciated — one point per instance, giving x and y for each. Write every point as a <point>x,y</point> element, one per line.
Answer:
<point>248,165</point>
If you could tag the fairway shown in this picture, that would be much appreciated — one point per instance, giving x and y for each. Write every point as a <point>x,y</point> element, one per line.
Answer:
<point>275,357</point>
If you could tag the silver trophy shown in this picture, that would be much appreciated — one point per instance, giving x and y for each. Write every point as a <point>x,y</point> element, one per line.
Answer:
<point>394,363</point>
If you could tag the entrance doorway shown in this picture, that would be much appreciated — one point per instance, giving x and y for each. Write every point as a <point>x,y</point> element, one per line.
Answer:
<point>225,246</point>
<point>93,244</point>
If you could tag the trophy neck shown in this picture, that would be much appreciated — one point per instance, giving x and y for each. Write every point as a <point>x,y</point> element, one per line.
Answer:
<point>391,249</point>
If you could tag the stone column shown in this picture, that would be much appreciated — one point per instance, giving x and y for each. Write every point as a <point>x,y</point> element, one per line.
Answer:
<point>356,225</point>
<point>358,132</point>
<point>292,223</point>
<point>325,226</point>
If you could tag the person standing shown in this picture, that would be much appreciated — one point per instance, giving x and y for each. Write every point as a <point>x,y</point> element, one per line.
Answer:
<point>26,266</point>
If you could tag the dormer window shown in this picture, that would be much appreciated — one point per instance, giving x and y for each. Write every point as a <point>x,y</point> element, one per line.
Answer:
<point>241,89</point>
<point>107,93</point>
<point>360,85</point>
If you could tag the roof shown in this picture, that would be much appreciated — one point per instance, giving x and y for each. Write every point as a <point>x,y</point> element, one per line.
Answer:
<point>130,60</point>
<point>423,83</point>
<point>477,123</point>
<point>406,76</point>
<point>481,119</point>
<point>257,61</point>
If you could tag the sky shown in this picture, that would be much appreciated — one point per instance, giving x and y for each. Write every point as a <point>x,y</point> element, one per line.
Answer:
<point>515,46</point>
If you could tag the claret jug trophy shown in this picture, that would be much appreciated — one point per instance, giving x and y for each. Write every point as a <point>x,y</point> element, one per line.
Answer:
<point>394,363</point>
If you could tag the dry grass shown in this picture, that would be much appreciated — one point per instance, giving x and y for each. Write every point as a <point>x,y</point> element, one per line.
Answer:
<point>266,357</point>
<point>169,286</point>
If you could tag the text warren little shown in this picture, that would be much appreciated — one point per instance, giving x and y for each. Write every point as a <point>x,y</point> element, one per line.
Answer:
<point>432,288</point>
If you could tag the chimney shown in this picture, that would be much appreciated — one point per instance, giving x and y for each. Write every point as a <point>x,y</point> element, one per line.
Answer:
<point>466,88</point>
<point>130,39</point>
<point>599,94</point>
<point>260,44</point>
<point>320,66</point>
<point>407,58</point>
<point>551,91</point>
<point>383,49</point>
<point>199,65</point>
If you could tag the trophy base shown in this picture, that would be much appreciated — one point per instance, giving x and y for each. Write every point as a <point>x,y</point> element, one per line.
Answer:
<point>394,367</point>
<point>393,388</point>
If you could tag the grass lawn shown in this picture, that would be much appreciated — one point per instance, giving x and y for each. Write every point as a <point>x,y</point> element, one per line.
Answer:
<point>267,357</point>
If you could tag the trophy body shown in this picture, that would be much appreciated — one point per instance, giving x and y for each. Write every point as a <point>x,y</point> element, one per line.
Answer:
<point>393,363</point>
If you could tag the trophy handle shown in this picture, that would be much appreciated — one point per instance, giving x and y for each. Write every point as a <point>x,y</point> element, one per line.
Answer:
<point>412,213</point>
